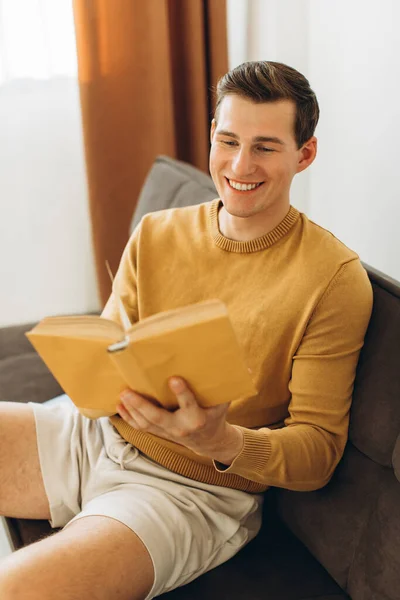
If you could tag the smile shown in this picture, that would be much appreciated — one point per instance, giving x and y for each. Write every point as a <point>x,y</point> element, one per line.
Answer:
<point>243,187</point>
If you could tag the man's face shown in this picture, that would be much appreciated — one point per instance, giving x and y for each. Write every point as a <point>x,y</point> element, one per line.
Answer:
<point>255,144</point>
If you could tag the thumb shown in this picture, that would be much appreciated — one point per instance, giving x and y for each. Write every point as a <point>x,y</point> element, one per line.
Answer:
<point>184,395</point>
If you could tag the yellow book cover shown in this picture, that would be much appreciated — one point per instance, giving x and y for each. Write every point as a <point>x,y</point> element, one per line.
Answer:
<point>94,359</point>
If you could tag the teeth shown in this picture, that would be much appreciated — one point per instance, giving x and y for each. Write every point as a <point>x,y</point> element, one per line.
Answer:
<point>243,187</point>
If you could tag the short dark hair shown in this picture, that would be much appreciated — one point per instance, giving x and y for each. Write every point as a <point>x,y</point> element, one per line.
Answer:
<point>266,81</point>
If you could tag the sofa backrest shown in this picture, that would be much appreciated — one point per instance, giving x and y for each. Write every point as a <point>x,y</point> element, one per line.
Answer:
<point>374,570</point>
<point>172,183</point>
<point>375,414</point>
<point>352,525</point>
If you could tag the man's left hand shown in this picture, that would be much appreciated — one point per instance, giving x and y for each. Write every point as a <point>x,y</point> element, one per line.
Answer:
<point>205,431</point>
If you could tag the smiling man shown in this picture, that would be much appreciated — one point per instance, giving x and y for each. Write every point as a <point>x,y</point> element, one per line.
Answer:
<point>254,157</point>
<point>151,499</point>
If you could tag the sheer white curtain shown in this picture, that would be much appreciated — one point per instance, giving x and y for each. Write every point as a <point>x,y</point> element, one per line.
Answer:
<point>36,39</point>
<point>46,258</point>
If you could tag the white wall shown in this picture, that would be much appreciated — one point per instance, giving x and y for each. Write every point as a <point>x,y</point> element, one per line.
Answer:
<point>46,257</point>
<point>350,52</point>
<point>354,64</point>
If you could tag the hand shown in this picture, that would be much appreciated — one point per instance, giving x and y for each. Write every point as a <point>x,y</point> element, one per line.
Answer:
<point>202,430</point>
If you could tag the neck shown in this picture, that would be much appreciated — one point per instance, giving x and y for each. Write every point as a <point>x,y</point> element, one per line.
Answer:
<point>245,229</point>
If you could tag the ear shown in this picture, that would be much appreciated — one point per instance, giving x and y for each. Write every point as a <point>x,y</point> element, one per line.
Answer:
<point>307,154</point>
<point>212,130</point>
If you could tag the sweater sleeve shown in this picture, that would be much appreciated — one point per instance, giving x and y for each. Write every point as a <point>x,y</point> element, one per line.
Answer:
<point>125,284</point>
<point>303,454</point>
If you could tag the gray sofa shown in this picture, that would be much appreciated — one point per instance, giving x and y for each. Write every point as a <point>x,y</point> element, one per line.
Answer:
<point>338,542</point>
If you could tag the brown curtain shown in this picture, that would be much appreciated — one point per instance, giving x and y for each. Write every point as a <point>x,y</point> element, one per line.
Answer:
<point>145,72</point>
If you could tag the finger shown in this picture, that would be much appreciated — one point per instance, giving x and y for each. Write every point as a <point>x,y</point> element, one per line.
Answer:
<point>137,420</point>
<point>132,417</point>
<point>144,411</point>
<point>126,416</point>
<point>184,395</point>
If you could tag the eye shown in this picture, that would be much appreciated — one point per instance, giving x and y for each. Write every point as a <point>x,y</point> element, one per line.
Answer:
<point>263,149</point>
<point>230,143</point>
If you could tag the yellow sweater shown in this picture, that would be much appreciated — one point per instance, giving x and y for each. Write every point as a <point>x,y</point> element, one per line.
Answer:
<point>300,302</point>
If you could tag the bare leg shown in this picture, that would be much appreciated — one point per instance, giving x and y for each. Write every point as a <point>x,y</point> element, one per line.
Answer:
<point>22,492</point>
<point>95,557</point>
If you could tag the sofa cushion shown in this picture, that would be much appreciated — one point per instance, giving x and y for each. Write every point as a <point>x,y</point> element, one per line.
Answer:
<point>13,340</point>
<point>273,566</point>
<point>23,375</point>
<point>172,183</point>
<point>25,378</point>
<point>375,412</point>
<point>375,571</point>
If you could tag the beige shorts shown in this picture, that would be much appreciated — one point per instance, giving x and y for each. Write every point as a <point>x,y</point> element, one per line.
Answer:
<point>188,527</point>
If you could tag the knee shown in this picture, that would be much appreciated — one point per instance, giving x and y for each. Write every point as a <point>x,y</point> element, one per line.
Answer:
<point>9,588</point>
<point>14,589</point>
<point>15,584</point>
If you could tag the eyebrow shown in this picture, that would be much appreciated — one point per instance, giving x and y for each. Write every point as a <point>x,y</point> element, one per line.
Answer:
<point>258,138</point>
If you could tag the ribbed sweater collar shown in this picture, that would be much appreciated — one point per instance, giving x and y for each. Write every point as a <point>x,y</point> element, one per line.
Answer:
<point>260,243</point>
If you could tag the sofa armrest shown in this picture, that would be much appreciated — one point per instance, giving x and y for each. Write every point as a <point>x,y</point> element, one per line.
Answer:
<point>13,340</point>
<point>23,375</point>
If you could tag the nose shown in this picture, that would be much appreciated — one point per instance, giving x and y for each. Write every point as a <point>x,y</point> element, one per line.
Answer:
<point>243,164</point>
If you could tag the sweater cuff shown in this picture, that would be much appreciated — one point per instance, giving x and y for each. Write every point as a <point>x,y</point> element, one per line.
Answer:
<point>251,460</point>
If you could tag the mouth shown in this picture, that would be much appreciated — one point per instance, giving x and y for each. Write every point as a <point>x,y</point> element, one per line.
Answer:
<point>243,187</point>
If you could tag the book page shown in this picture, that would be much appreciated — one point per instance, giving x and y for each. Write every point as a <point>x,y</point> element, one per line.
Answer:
<point>123,315</point>
<point>79,326</point>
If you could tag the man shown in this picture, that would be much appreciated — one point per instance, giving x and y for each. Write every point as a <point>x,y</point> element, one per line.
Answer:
<point>151,499</point>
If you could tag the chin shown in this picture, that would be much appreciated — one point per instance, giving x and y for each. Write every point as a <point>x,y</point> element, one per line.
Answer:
<point>239,212</point>
<point>240,209</point>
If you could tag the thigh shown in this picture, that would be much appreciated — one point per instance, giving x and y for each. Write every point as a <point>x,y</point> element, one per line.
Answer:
<point>94,557</point>
<point>22,491</point>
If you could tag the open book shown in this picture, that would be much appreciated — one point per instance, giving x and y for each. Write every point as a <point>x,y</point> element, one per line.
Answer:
<point>94,359</point>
